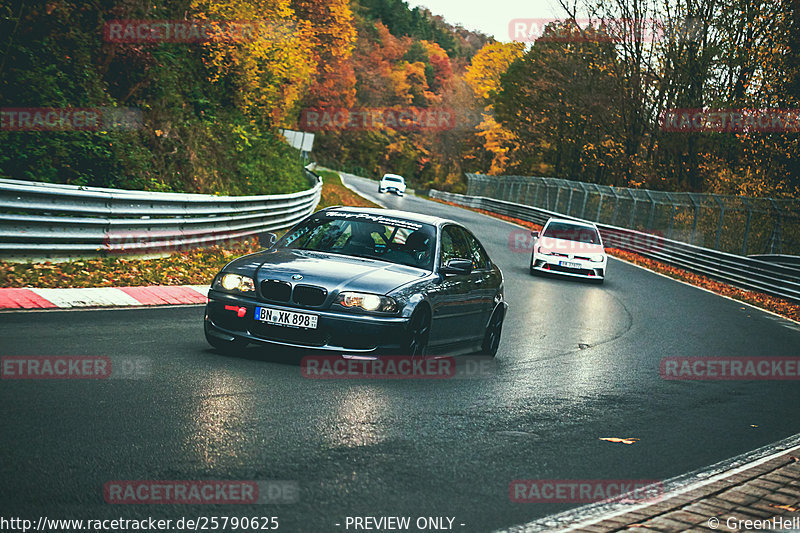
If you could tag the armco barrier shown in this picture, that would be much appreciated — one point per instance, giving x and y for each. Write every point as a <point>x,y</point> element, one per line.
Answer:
<point>776,279</point>
<point>43,220</point>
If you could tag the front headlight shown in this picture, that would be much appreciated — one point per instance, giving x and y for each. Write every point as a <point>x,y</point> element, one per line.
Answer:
<point>367,302</point>
<point>235,282</point>
<point>597,258</point>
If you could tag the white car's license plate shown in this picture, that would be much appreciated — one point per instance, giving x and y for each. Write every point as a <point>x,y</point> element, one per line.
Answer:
<point>569,265</point>
<point>286,318</point>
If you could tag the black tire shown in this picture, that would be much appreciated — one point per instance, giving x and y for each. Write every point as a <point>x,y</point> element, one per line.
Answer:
<point>491,339</point>
<point>418,333</point>
<point>221,345</point>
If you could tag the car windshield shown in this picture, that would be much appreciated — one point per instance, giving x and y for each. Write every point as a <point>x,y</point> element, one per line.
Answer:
<point>571,232</point>
<point>366,235</point>
<point>392,178</point>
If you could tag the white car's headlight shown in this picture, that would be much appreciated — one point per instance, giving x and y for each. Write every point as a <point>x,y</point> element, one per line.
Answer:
<point>235,282</point>
<point>597,258</point>
<point>367,302</point>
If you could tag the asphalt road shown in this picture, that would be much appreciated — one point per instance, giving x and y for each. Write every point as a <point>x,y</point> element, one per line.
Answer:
<point>394,448</point>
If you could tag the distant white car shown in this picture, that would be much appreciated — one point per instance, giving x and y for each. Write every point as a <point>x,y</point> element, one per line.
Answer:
<point>569,248</point>
<point>392,183</point>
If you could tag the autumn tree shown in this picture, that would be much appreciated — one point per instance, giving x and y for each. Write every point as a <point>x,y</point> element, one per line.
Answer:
<point>333,36</point>
<point>273,69</point>
<point>483,76</point>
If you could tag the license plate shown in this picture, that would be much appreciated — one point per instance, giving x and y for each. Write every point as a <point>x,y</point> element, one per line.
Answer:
<point>289,319</point>
<point>569,265</point>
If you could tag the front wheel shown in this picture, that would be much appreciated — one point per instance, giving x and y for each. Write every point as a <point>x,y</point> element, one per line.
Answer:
<point>491,339</point>
<point>418,333</point>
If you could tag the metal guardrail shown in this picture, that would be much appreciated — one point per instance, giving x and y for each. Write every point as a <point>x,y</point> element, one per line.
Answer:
<point>775,279</point>
<point>735,224</point>
<point>43,220</point>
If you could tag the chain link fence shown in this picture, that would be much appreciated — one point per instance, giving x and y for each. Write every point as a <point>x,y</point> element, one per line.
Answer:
<point>732,224</point>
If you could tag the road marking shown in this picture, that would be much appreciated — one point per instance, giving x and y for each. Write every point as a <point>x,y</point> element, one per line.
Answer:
<point>95,297</point>
<point>84,298</point>
<point>160,295</point>
<point>23,299</point>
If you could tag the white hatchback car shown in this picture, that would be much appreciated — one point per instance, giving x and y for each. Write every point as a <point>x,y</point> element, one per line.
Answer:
<point>392,183</point>
<point>569,248</point>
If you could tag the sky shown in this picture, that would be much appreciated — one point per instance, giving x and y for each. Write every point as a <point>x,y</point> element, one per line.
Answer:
<point>493,16</point>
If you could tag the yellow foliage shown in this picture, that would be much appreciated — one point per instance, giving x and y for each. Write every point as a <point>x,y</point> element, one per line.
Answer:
<point>274,66</point>
<point>491,61</point>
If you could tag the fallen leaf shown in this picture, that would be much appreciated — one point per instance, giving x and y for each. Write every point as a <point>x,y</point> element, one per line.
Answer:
<point>626,440</point>
<point>785,507</point>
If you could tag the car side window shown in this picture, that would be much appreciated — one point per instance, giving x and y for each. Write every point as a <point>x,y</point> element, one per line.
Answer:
<point>478,255</point>
<point>454,245</point>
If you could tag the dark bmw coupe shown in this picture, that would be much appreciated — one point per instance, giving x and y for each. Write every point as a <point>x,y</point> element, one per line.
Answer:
<point>362,282</point>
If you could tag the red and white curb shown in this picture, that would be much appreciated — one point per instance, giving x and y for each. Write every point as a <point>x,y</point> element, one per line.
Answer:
<point>102,297</point>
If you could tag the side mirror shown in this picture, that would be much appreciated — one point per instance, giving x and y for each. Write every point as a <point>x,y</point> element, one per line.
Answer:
<point>535,234</point>
<point>457,266</point>
<point>267,240</point>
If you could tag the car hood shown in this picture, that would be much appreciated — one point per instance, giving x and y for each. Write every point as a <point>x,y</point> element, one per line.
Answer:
<point>570,247</point>
<point>332,271</point>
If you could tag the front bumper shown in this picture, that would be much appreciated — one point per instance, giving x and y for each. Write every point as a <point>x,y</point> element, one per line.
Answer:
<point>583,268</point>
<point>336,331</point>
<point>392,189</point>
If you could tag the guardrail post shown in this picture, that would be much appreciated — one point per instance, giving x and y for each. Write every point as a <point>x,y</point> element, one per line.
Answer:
<point>585,197</point>
<point>616,204</point>
<point>749,207</point>
<point>633,210</point>
<point>776,230</point>
<point>569,202</point>
<point>652,210</point>
<point>719,224</point>
<point>694,220</point>
<point>558,197</point>
<point>599,205</point>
